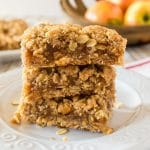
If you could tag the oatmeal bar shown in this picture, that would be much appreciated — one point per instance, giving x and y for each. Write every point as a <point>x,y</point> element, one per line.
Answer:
<point>90,112</point>
<point>10,33</point>
<point>68,77</point>
<point>67,81</point>
<point>49,45</point>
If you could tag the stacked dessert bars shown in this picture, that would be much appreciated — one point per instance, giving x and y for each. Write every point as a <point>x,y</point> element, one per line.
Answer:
<point>68,80</point>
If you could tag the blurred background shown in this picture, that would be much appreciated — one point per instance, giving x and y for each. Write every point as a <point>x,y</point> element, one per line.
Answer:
<point>131,18</point>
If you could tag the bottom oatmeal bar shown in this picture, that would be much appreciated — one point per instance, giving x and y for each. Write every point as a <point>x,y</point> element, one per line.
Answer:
<point>89,112</point>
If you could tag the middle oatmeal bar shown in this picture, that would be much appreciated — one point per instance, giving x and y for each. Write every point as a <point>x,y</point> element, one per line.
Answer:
<point>67,81</point>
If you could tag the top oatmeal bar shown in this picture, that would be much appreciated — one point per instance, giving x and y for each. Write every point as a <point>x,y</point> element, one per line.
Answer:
<point>11,32</point>
<point>48,45</point>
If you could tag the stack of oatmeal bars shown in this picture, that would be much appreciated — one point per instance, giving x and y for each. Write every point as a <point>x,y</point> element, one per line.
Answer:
<point>68,77</point>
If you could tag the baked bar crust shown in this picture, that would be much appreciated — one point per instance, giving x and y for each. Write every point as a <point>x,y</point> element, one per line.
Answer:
<point>68,77</point>
<point>89,112</point>
<point>82,111</point>
<point>50,45</point>
<point>11,32</point>
<point>67,81</point>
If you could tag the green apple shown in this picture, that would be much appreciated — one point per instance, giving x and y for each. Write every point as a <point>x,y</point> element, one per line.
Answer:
<point>138,13</point>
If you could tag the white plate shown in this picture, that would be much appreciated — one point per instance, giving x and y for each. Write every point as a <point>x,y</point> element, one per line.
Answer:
<point>9,55</point>
<point>132,122</point>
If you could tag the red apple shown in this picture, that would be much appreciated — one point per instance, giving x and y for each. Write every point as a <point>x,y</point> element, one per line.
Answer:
<point>104,12</point>
<point>122,3</point>
<point>138,13</point>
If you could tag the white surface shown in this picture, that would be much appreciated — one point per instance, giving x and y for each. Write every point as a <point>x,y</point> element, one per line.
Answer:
<point>132,122</point>
<point>141,66</point>
<point>30,7</point>
<point>33,7</point>
<point>9,55</point>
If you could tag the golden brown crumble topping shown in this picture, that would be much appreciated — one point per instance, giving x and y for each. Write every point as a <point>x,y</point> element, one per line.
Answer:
<point>11,32</point>
<point>66,44</point>
<point>93,111</point>
<point>67,81</point>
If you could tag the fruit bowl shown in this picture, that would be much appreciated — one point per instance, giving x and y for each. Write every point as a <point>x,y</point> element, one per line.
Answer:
<point>134,34</point>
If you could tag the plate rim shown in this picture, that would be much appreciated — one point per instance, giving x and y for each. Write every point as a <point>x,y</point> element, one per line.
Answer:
<point>79,145</point>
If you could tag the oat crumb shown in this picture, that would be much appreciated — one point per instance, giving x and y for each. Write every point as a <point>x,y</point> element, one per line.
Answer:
<point>16,119</point>
<point>52,138</point>
<point>65,139</point>
<point>62,131</point>
<point>118,104</point>
<point>15,102</point>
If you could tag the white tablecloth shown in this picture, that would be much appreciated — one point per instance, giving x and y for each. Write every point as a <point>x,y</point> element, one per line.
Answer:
<point>142,67</point>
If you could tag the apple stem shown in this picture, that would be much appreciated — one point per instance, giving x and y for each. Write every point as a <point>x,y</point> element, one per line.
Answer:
<point>146,17</point>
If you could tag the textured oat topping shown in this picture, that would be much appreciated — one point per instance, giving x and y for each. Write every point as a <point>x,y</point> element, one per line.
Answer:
<point>10,33</point>
<point>84,112</point>
<point>66,44</point>
<point>67,81</point>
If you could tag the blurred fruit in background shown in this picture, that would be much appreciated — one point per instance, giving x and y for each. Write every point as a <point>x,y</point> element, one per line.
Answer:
<point>131,18</point>
<point>138,13</point>
<point>113,12</point>
<point>105,12</point>
<point>123,4</point>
